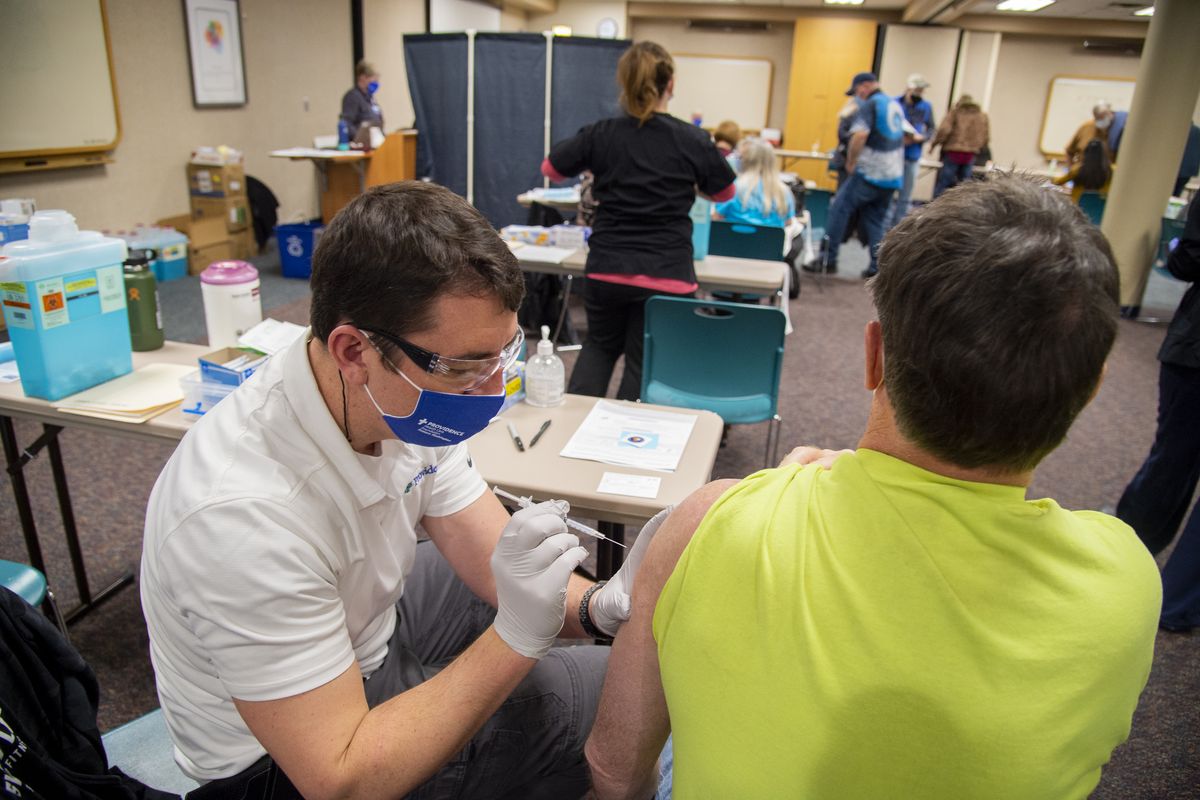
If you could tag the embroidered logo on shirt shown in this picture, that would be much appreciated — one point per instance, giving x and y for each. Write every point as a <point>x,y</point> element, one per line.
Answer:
<point>431,469</point>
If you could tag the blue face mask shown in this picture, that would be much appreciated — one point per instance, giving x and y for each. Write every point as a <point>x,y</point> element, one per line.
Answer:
<point>441,419</point>
<point>372,87</point>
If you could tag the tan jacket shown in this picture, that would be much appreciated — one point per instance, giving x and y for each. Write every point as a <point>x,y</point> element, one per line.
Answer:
<point>963,130</point>
<point>1087,131</point>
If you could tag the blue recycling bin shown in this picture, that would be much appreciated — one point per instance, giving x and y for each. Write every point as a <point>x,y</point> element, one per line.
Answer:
<point>297,241</point>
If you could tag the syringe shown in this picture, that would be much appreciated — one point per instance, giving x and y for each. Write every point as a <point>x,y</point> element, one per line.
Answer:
<point>526,502</point>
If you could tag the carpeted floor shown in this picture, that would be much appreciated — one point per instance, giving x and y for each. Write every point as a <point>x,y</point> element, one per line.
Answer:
<point>822,402</point>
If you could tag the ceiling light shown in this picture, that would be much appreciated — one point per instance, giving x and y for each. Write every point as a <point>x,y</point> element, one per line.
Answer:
<point>1023,5</point>
<point>843,2</point>
<point>1144,12</point>
<point>561,30</point>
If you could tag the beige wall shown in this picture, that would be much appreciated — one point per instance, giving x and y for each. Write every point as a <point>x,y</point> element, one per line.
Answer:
<point>1023,73</point>
<point>775,44</point>
<point>294,90</point>
<point>384,24</point>
<point>582,15</point>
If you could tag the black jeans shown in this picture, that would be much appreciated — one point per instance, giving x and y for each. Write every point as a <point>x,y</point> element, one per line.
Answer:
<point>1159,496</point>
<point>616,323</point>
<point>531,748</point>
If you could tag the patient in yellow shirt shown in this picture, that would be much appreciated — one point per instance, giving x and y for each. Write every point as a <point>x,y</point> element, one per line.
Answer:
<point>899,620</point>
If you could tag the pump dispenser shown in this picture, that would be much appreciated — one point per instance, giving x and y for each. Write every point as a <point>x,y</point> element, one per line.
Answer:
<point>545,376</point>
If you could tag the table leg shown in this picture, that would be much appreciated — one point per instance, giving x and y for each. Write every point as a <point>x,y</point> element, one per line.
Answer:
<point>15,466</point>
<point>608,555</point>
<point>87,601</point>
<point>16,460</point>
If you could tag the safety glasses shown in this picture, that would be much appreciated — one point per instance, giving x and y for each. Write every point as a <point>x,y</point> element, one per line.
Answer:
<point>463,374</point>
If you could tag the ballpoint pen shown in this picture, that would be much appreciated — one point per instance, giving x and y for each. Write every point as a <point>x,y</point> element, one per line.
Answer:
<point>512,431</point>
<point>526,502</point>
<point>539,433</point>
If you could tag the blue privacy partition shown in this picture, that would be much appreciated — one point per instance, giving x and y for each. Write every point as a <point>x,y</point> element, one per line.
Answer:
<point>510,109</point>
<point>437,80</point>
<point>583,84</point>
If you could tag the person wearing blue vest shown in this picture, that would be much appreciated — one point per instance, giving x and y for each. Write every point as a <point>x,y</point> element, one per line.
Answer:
<point>919,113</point>
<point>874,165</point>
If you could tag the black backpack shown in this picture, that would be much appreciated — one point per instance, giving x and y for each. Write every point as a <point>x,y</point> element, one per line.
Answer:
<point>50,745</point>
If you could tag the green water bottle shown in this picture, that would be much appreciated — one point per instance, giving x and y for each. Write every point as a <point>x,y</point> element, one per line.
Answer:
<point>141,296</point>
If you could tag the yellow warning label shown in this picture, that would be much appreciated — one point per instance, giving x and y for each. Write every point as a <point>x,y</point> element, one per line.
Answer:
<point>80,285</point>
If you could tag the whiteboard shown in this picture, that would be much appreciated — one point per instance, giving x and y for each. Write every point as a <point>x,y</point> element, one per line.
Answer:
<point>57,93</point>
<point>720,88</point>
<point>1069,104</point>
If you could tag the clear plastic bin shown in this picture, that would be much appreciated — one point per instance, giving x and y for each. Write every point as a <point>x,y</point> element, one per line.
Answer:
<point>200,395</point>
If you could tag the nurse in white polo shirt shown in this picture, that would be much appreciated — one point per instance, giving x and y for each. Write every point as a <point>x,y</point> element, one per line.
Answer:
<point>303,639</point>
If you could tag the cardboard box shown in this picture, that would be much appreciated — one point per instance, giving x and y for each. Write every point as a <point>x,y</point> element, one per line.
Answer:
<point>211,181</point>
<point>208,241</point>
<point>230,365</point>
<point>243,244</point>
<point>235,211</point>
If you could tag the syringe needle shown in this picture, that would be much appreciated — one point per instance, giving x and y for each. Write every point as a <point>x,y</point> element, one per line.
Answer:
<point>526,502</point>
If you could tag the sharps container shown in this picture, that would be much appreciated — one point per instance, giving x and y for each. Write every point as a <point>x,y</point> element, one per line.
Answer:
<point>64,302</point>
<point>232,304</point>
<point>141,297</point>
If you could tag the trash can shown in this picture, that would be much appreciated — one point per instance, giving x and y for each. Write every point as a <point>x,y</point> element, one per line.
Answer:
<point>297,241</point>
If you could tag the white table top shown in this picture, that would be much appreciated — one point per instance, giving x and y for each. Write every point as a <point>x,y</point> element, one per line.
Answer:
<point>542,473</point>
<point>714,274</point>
<point>170,425</point>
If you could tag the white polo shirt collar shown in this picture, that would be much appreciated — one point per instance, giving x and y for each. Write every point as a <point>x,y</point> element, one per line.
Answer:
<point>300,387</point>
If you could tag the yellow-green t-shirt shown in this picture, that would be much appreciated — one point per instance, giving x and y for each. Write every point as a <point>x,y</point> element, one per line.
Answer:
<point>877,630</point>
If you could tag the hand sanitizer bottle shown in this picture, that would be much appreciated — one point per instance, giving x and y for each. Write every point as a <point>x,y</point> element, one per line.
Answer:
<point>545,377</point>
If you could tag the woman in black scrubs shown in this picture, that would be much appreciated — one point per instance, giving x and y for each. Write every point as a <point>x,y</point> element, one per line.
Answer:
<point>648,167</point>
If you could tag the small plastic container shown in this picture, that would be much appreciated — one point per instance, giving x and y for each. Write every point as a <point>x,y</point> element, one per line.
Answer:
<point>199,395</point>
<point>232,304</point>
<point>172,263</point>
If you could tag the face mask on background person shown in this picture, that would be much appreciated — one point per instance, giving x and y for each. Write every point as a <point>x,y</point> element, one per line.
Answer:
<point>372,87</point>
<point>1103,123</point>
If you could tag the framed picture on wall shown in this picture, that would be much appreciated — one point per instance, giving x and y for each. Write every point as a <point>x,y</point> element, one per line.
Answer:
<point>214,36</point>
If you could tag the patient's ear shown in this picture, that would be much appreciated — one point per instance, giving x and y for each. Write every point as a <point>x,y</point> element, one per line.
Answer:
<point>873,352</point>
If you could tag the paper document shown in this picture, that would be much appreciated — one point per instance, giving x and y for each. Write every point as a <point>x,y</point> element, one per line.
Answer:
<point>542,254</point>
<point>271,335</point>
<point>136,397</point>
<point>629,485</point>
<point>8,372</point>
<point>629,436</point>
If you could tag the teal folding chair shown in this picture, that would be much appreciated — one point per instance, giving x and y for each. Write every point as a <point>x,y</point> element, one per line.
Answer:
<point>816,203</point>
<point>1092,204</point>
<point>743,240</point>
<point>1171,229</point>
<point>142,749</point>
<point>31,586</point>
<point>721,357</point>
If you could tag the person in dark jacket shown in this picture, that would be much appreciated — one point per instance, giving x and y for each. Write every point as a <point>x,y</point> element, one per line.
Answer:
<point>1157,498</point>
<point>358,104</point>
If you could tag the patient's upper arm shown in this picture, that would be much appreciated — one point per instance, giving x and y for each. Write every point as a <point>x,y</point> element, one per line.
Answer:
<point>632,722</point>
